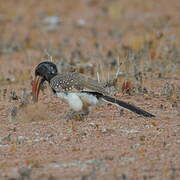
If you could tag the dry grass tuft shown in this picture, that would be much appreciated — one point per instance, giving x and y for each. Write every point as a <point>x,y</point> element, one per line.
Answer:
<point>33,112</point>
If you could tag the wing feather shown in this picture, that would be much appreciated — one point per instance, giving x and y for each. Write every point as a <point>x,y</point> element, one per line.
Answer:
<point>75,80</point>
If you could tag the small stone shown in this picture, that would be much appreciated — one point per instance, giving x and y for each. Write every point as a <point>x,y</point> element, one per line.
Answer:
<point>103,130</point>
<point>25,173</point>
<point>134,146</point>
<point>52,178</point>
<point>37,140</point>
<point>13,96</point>
<point>81,23</point>
<point>21,139</point>
<point>92,124</point>
<point>52,20</point>
<point>3,91</point>
<point>10,78</point>
<point>13,114</point>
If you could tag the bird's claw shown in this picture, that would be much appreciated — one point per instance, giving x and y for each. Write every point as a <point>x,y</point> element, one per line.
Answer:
<point>79,116</point>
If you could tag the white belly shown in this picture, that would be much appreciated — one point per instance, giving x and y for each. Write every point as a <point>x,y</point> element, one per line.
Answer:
<point>76,100</point>
<point>72,99</point>
<point>88,98</point>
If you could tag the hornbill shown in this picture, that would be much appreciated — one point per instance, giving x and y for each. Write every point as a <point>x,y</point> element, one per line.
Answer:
<point>71,88</point>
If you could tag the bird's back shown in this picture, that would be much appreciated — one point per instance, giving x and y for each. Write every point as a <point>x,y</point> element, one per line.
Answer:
<point>76,81</point>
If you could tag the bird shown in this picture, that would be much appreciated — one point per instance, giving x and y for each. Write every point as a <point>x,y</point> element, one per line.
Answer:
<point>76,89</point>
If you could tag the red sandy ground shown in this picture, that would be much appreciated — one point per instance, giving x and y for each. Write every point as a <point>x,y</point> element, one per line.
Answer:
<point>107,144</point>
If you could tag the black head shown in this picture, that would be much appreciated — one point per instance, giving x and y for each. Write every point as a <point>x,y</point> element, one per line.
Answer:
<point>44,71</point>
<point>47,70</point>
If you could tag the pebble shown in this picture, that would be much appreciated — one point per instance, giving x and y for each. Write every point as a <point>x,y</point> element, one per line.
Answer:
<point>51,20</point>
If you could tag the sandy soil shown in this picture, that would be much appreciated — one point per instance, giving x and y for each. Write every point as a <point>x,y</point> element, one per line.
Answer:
<point>98,38</point>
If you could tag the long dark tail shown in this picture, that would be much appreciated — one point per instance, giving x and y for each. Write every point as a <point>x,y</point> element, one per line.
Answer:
<point>122,104</point>
<point>127,106</point>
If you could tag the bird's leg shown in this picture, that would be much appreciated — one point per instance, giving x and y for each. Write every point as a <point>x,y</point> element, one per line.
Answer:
<point>67,116</point>
<point>85,109</point>
<point>76,115</point>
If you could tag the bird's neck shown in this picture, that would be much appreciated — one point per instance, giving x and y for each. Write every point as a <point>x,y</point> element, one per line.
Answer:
<point>49,77</point>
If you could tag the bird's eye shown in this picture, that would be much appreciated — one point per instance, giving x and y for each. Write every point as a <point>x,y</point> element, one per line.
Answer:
<point>52,70</point>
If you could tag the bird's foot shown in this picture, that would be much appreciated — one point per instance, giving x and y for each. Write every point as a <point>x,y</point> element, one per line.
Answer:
<point>79,116</point>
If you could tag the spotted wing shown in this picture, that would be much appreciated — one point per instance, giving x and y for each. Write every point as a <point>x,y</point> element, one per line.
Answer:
<point>74,80</point>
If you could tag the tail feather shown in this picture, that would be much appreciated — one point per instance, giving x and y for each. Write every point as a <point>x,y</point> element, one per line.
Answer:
<point>127,106</point>
<point>120,103</point>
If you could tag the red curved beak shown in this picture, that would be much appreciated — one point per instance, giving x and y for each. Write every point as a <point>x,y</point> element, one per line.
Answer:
<point>36,87</point>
